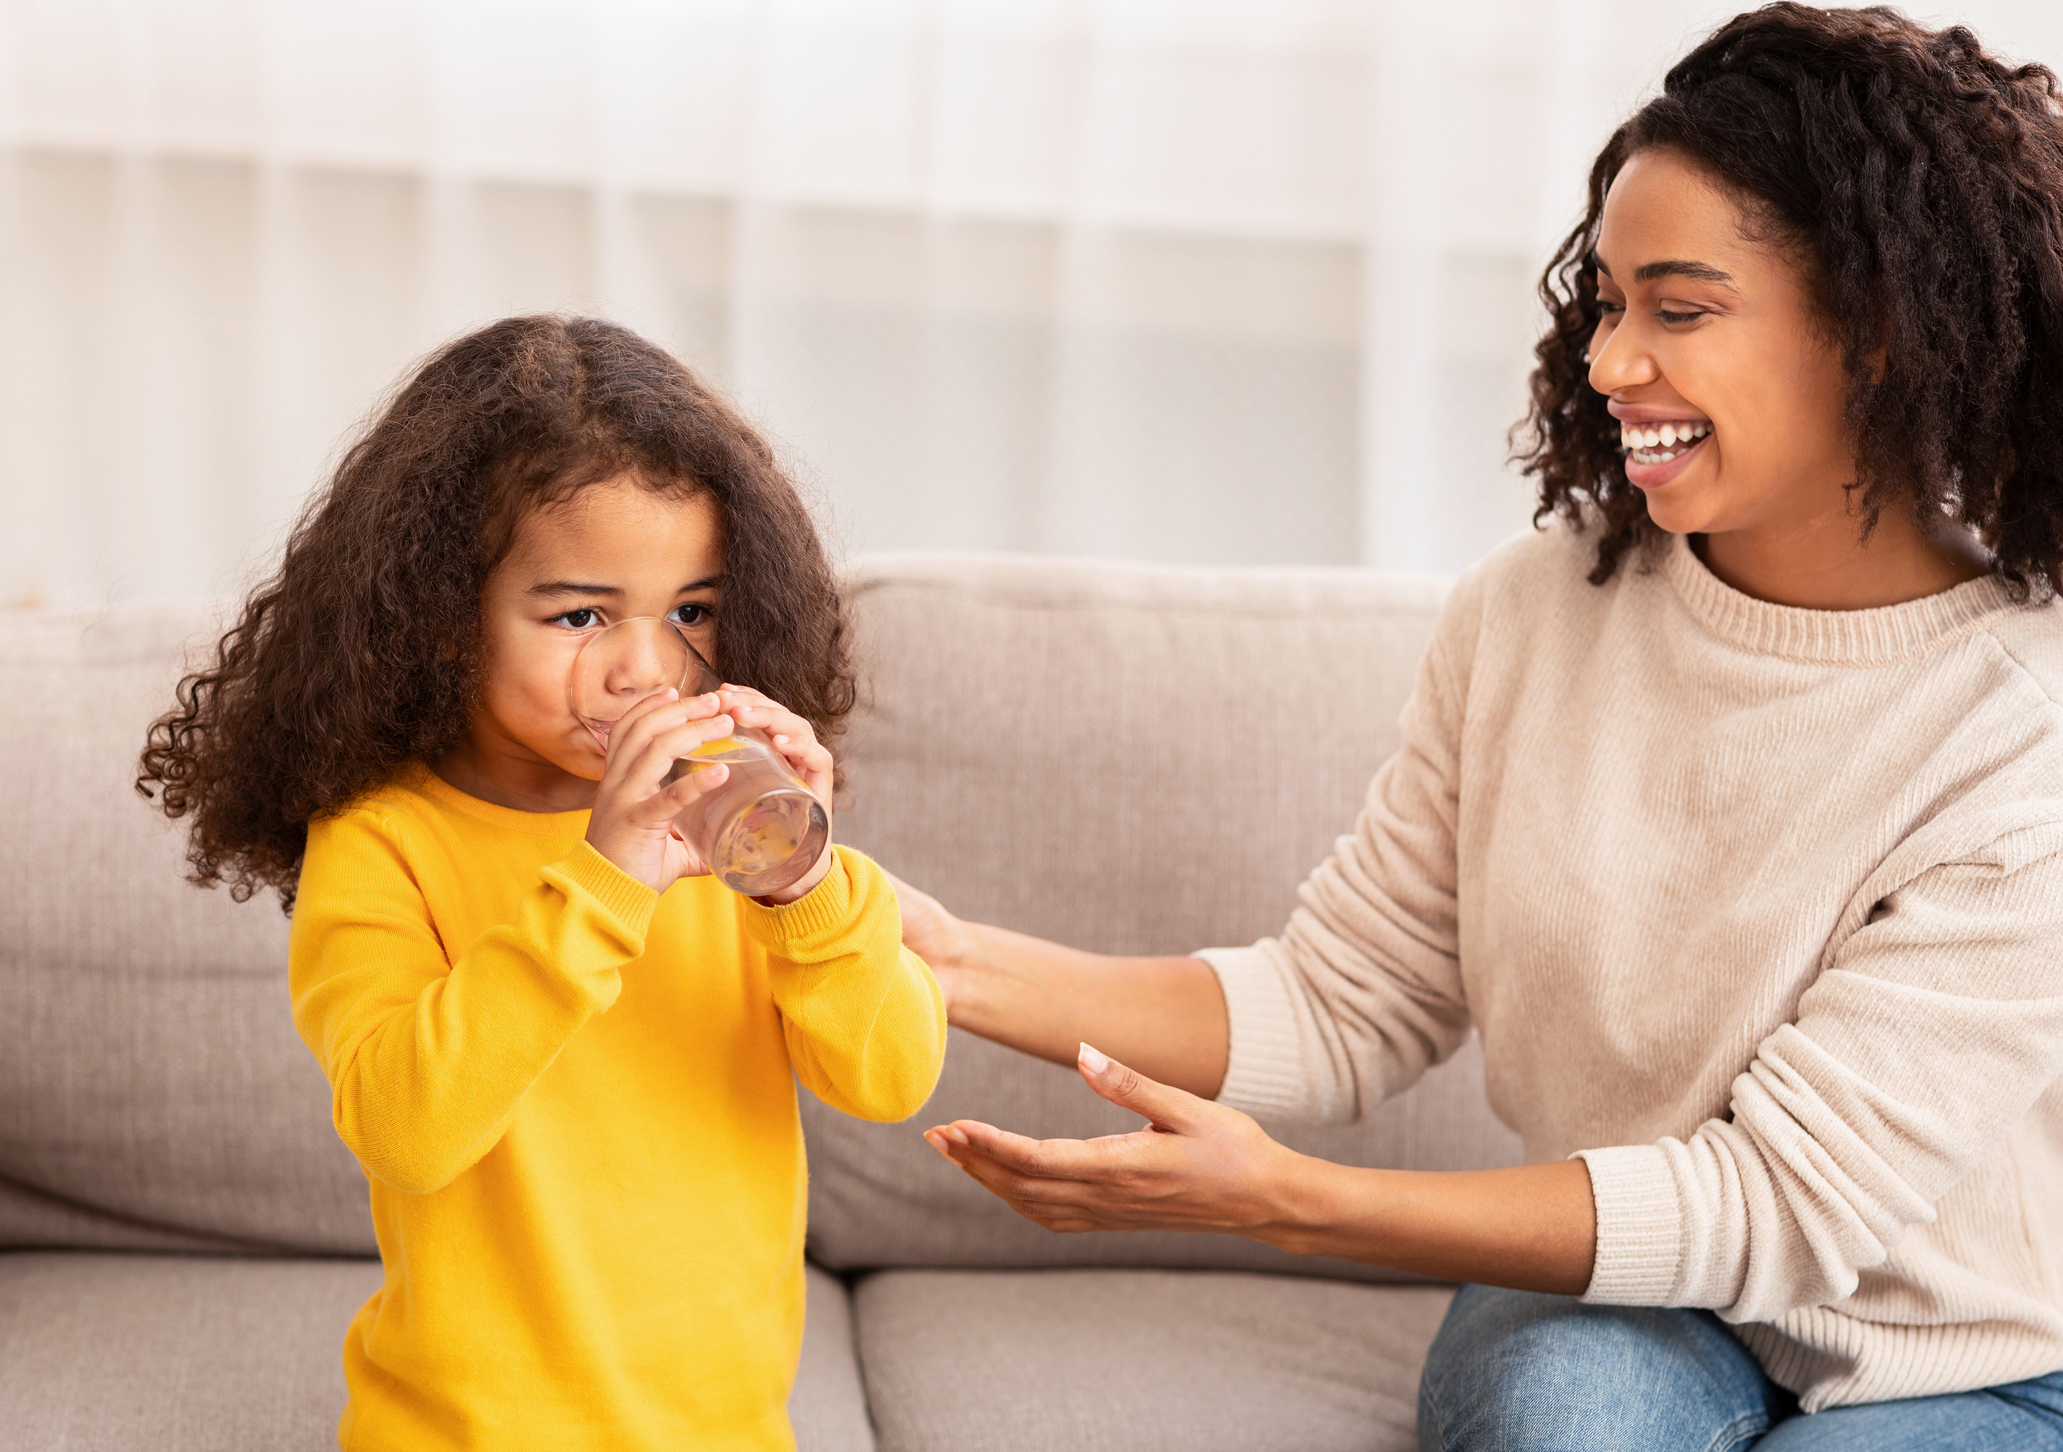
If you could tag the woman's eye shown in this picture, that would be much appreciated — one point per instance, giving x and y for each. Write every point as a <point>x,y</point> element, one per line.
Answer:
<point>690,614</point>
<point>579,619</point>
<point>1606,306</point>
<point>1673,319</point>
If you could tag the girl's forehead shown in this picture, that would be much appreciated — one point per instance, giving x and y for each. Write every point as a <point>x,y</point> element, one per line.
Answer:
<point>621,525</point>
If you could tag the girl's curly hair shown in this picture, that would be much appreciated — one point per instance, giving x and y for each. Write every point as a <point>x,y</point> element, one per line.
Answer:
<point>363,652</point>
<point>1919,183</point>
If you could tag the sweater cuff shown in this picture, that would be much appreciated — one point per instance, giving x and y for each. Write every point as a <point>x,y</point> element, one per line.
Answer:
<point>815,920</point>
<point>1639,1226</point>
<point>1264,1073</point>
<point>624,904</point>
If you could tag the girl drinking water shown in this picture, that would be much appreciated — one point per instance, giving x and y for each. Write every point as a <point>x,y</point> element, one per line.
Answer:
<point>563,1053</point>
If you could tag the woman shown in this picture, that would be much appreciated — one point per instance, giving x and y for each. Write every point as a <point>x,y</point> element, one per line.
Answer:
<point>1730,813</point>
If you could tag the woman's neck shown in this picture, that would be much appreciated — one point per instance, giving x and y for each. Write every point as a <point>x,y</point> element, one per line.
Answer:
<point>1827,564</point>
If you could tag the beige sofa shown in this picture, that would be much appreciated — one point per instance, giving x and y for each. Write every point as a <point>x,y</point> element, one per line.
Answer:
<point>1124,758</point>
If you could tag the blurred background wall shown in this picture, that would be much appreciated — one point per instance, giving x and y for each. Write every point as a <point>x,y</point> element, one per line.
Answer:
<point>1187,280</point>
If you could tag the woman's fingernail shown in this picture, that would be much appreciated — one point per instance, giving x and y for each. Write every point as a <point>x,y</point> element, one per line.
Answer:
<point>954,1133</point>
<point>1093,1061</point>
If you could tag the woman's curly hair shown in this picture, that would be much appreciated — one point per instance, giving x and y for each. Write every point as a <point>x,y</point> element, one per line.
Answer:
<point>1919,183</point>
<point>363,652</point>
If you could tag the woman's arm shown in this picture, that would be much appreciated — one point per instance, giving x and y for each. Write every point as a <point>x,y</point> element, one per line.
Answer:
<point>1165,1014</point>
<point>1202,1166</point>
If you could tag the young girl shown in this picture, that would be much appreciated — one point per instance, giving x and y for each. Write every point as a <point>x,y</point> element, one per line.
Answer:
<point>564,1054</point>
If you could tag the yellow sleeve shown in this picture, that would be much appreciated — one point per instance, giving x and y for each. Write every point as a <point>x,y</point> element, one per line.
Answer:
<point>427,1058</point>
<point>864,1019</point>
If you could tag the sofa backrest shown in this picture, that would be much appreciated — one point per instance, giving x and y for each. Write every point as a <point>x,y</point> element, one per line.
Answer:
<point>153,1093</point>
<point>1126,759</point>
<point>1123,758</point>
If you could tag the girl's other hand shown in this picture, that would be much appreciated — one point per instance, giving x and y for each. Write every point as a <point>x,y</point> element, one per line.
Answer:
<point>632,820</point>
<point>797,742</point>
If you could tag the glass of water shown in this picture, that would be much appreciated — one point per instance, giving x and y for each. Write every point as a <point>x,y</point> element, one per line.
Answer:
<point>762,829</point>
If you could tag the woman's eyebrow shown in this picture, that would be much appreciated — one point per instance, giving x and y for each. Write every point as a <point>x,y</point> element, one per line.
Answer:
<point>1695,271</point>
<point>1673,267</point>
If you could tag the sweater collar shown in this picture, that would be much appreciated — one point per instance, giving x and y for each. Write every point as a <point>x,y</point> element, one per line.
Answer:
<point>1852,637</point>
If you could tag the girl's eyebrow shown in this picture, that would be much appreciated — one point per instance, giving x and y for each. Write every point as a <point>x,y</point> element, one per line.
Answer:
<point>570,587</point>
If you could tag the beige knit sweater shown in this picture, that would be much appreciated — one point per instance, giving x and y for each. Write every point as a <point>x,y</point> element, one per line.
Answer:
<point>1759,910</point>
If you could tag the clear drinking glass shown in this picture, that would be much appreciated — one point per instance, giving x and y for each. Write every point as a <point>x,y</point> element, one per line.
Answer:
<point>759,831</point>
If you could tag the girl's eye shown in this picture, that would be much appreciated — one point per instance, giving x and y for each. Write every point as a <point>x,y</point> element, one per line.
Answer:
<point>689,614</point>
<point>1606,306</point>
<point>579,619</point>
<point>1674,319</point>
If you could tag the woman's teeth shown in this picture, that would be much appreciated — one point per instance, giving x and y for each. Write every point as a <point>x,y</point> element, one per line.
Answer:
<point>1659,443</point>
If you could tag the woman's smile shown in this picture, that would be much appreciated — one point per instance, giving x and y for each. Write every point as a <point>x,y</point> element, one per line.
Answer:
<point>1659,441</point>
<point>1656,456</point>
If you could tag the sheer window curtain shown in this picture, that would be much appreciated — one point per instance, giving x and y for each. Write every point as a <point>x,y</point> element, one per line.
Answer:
<point>1184,280</point>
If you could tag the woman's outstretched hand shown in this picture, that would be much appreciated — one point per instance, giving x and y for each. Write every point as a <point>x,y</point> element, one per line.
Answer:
<point>1195,1165</point>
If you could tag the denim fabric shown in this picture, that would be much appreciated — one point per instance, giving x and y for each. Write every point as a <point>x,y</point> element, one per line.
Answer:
<point>1513,1371</point>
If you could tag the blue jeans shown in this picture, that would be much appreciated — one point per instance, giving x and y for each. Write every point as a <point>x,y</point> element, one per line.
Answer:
<point>1512,1371</point>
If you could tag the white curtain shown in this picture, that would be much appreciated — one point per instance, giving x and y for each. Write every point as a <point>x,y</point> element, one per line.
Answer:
<point>1185,280</point>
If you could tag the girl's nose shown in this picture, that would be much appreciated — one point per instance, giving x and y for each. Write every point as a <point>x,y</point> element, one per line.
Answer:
<point>642,661</point>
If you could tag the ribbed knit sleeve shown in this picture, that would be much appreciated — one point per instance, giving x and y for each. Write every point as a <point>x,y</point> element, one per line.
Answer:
<point>1362,992</point>
<point>428,1057</point>
<point>864,1019</point>
<point>1930,1034</point>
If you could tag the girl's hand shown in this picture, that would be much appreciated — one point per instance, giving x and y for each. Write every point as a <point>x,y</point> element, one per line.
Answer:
<point>632,820</point>
<point>797,742</point>
<point>944,942</point>
<point>1195,1165</point>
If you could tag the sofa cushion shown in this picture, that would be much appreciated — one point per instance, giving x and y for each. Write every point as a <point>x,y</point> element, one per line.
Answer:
<point>1082,1361</point>
<point>828,1406</point>
<point>121,1353</point>
<point>1129,759</point>
<point>153,1092</point>
<point>117,1353</point>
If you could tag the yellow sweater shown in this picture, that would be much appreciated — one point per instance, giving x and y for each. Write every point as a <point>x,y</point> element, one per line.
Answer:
<point>574,1098</point>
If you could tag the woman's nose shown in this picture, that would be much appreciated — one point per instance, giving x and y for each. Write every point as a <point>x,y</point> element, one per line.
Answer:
<point>1618,361</point>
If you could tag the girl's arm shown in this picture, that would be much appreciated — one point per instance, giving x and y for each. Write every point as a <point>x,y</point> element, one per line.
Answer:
<point>428,1057</point>
<point>864,1020</point>
<point>1166,1015</point>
